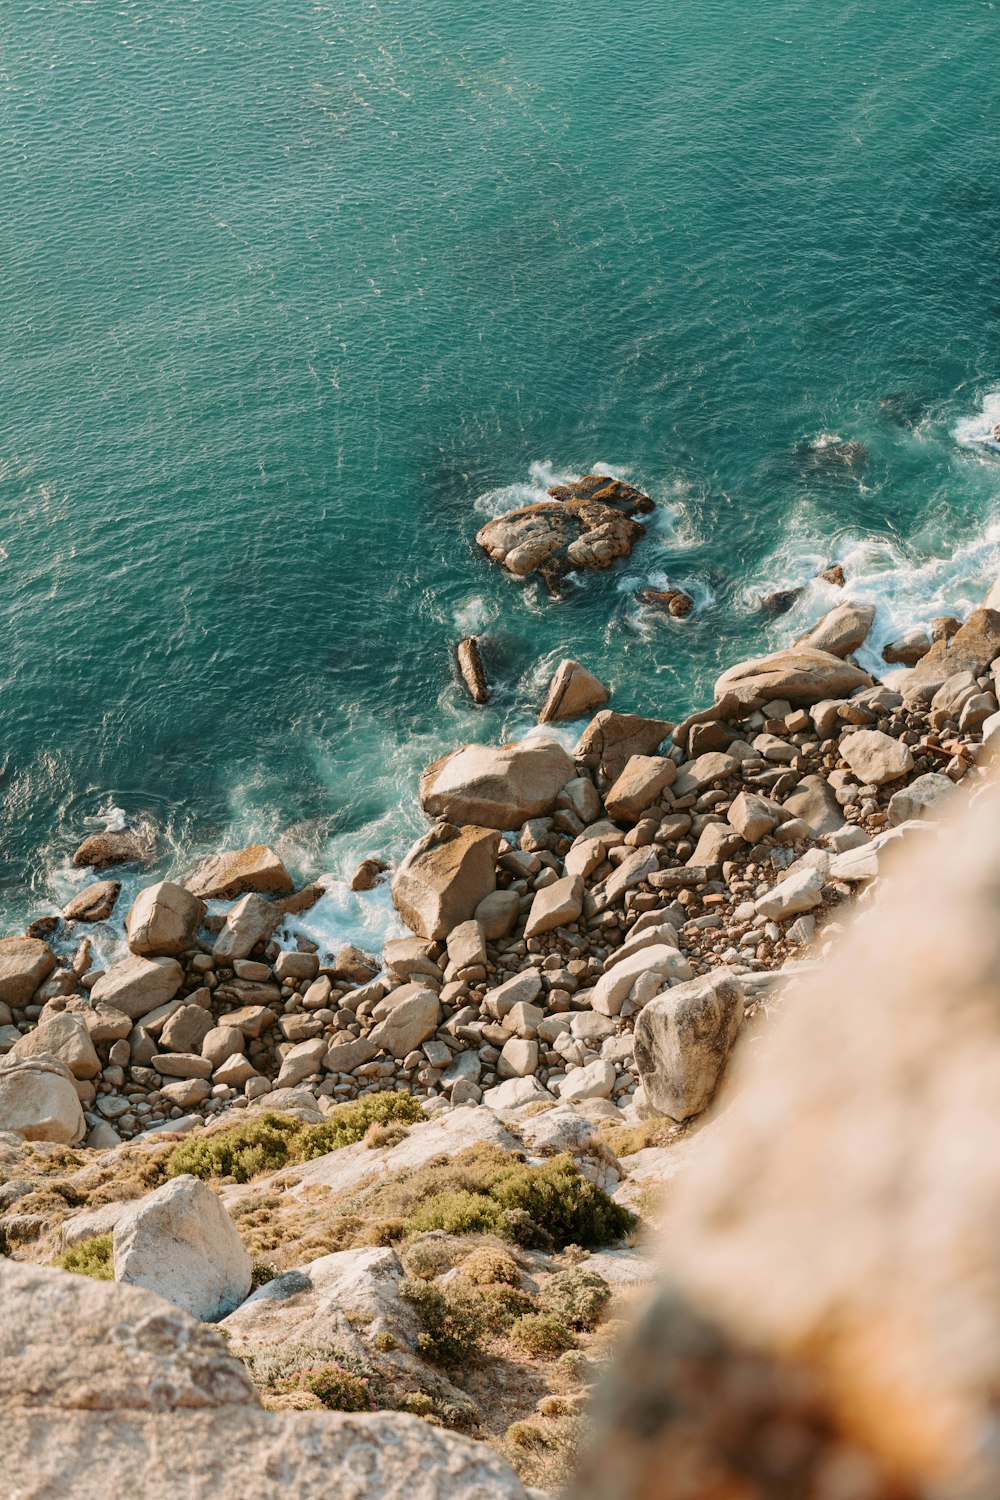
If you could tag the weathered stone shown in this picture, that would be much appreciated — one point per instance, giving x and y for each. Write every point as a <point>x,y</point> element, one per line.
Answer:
<point>471,669</point>
<point>611,739</point>
<point>444,877</point>
<point>717,842</point>
<point>926,797</point>
<point>405,1018</point>
<point>368,874</point>
<point>970,649</point>
<point>801,675</point>
<point>520,988</point>
<point>251,921</point>
<point>754,816</point>
<point>137,985</point>
<point>344,1057</point>
<point>497,914</point>
<point>38,1100</point>
<point>906,650</point>
<point>497,786</point>
<point>354,965</point>
<point>223,877</point>
<point>181,1065</point>
<point>841,631</point>
<point>593,1081</point>
<point>94,903</point>
<point>186,1029</point>
<point>300,1062</point>
<point>410,958</point>
<point>683,1039</point>
<point>163,920</point>
<point>708,770</point>
<point>659,962</point>
<point>180,1242</point>
<point>639,786</point>
<point>115,847</point>
<point>585,525</point>
<point>518,1059</point>
<point>633,870</point>
<point>187,1093</point>
<point>875,757</point>
<point>516,1093</point>
<point>814,802</point>
<point>555,905</point>
<point>572,692</point>
<point>800,891</point>
<point>24,963</point>
<point>63,1036</point>
<point>467,945</point>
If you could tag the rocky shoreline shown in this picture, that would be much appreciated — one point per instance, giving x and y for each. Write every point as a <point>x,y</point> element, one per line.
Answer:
<point>571,912</point>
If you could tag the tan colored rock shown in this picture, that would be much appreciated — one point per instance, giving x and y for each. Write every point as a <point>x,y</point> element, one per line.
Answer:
<point>66,1037</point>
<point>179,1242</point>
<point>122,847</point>
<point>163,920</point>
<point>220,1043</point>
<point>497,786</point>
<point>842,630</point>
<point>800,675</point>
<point>38,1100</point>
<point>754,816</point>
<point>137,985</point>
<point>405,1018</point>
<point>251,921</point>
<point>639,786</point>
<point>683,1039</point>
<point>187,1028</point>
<point>24,963</point>
<point>94,903</point>
<point>906,650</point>
<point>972,648</point>
<point>555,905</point>
<point>814,802</point>
<point>586,524</point>
<point>471,669</point>
<point>368,874</point>
<point>225,876</point>
<point>611,739</point>
<point>497,914</point>
<point>876,757</point>
<point>572,692</point>
<point>444,877</point>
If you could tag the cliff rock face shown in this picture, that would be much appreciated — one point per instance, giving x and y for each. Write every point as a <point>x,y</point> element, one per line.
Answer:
<point>108,1391</point>
<point>831,1272</point>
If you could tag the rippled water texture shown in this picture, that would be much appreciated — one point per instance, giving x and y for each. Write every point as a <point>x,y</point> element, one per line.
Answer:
<point>291,296</point>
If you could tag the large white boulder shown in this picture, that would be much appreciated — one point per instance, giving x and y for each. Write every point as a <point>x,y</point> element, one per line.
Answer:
<point>38,1100</point>
<point>135,985</point>
<point>181,1243</point>
<point>683,1039</point>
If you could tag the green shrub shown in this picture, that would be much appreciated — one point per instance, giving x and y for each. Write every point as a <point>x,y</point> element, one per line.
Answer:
<point>543,1336</point>
<point>270,1141</point>
<point>457,1212</point>
<point>336,1387</point>
<point>430,1255</point>
<point>578,1297</point>
<point>261,1272</point>
<point>487,1267</point>
<point>567,1205</point>
<point>90,1258</point>
<point>505,1304</point>
<point>452,1321</point>
<point>262,1144</point>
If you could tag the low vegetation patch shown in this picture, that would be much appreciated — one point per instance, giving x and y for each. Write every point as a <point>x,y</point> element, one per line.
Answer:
<point>269,1141</point>
<point>542,1336</point>
<point>453,1321</point>
<point>333,1386</point>
<point>578,1298</point>
<point>91,1257</point>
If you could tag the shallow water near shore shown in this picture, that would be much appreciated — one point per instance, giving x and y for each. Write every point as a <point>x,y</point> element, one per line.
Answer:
<point>293,299</point>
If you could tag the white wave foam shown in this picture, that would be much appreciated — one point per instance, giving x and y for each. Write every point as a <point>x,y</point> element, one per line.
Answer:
<point>979,429</point>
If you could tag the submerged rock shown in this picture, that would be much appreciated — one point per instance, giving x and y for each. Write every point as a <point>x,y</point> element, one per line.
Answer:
<point>585,525</point>
<point>225,876</point>
<point>673,601</point>
<point>94,903</point>
<point>473,673</point>
<point>116,847</point>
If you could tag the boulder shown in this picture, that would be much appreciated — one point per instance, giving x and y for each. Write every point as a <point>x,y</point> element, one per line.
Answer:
<point>814,802</point>
<point>369,874</point>
<point>925,797</point>
<point>572,692</point>
<point>972,648</point>
<point>471,669</point>
<point>611,739</point>
<point>754,816</point>
<point>180,1242</point>
<point>555,905</point>
<point>595,1080</point>
<point>875,757</point>
<point>94,903</point>
<point>653,967</point>
<point>639,786</point>
<point>444,877</point>
<point>497,786</point>
<point>218,1043</point>
<point>518,1058</point>
<point>906,650</point>
<point>39,1101</point>
<point>497,914</point>
<point>64,1036</point>
<point>516,1093</point>
<point>405,1018</point>
<point>800,891</point>
<point>115,847</point>
<point>673,601</point>
<point>223,877</point>
<point>187,1028</point>
<point>24,963</point>
<point>163,920</point>
<point>717,842</point>
<point>841,631</point>
<point>584,525</point>
<point>801,674</point>
<point>683,1039</point>
<point>137,985</point>
<point>251,921</point>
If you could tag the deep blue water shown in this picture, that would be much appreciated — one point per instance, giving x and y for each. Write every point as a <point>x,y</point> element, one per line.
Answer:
<point>293,296</point>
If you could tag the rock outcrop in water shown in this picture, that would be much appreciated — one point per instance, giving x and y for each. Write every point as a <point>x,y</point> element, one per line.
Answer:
<point>585,525</point>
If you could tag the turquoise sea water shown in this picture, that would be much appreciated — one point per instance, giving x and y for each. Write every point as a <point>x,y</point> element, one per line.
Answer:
<point>292,296</point>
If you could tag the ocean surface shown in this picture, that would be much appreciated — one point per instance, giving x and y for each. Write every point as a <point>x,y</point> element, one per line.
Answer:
<point>294,296</point>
